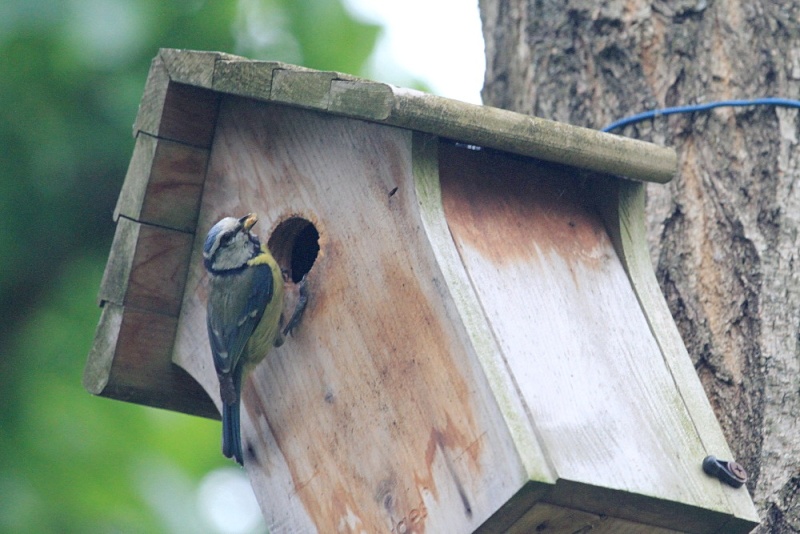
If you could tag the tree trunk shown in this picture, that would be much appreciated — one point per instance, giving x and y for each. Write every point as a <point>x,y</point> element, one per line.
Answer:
<point>724,233</point>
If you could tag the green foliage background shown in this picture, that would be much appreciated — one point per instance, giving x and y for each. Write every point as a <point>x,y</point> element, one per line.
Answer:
<point>71,76</point>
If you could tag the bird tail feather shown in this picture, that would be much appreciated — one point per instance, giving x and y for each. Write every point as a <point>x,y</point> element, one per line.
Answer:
<point>231,393</point>
<point>231,435</point>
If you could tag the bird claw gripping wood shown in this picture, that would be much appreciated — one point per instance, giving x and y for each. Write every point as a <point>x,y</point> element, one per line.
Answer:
<point>300,307</point>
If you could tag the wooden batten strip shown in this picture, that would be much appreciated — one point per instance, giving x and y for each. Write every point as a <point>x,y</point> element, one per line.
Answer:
<point>141,295</point>
<point>468,123</point>
<point>164,183</point>
<point>531,136</point>
<point>130,360</point>
<point>156,213</point>
<point>623,210</point>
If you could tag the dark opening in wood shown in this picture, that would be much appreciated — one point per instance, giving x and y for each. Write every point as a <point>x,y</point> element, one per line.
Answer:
<point>295,245</point>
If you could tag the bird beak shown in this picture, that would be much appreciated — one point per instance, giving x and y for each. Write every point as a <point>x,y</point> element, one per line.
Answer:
<point>248,221</point>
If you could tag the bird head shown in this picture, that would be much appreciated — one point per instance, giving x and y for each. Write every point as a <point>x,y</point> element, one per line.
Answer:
<point>229,244</point>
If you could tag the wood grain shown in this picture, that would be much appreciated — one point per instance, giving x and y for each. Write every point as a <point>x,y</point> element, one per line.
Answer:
<point>376,416</point>
<point>130,361</point>
<point>569,324</point>
<point>178,111</point>
<point>163,184</point>
<point>486,347</point>
<point>479,125</point>
<point>147,267</point>
<point>156,214</point>
<point>141,293</point>
<point>622,208</point>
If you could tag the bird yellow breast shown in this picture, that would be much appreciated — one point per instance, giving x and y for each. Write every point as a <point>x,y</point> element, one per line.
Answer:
<point>268,329</point>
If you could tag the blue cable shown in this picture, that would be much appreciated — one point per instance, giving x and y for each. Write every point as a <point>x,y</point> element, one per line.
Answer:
<point>769,101</point>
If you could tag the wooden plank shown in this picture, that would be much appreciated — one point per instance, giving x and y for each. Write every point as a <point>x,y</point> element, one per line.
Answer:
<point>147,267</point>
<point>114,285</point>
<point>360,99</point>
<point>479,125</point>
<point>531,136</point>
<point>178,111</point>
<point>158,270</point>
<point>642,509</point>
<point>141,293</point>
<point>308,89</point>
<point>188,115</point>
<point>251,79</point>
<point>622,208</point>
<point>131,196</point>
<point>468,309</point>
<point>151,104</point>
<point>101,355</point>
<point>599,394</point>
<point>130,361</point>
<point>177,175</point>
<point>163,184</point>
<point>550,518</point>
<point>143,283</point>
<point>192,67</point>
<point>376,415</point>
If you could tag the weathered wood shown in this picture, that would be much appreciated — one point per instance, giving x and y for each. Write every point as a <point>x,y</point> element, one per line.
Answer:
<point>147,267</point>
<point>622,206</point>
<point>377,359</point>
<point>724,234</point>
<point>372,101</point>
<point>585,362</point>
<point>308,89</point>
<point>164,183</point>
<point>479,125</point>
<point>501,378</point>
<point>128,362</point>
<point>192,67</point>
<point>545,517</point>
<point>480,351</point>
<point>177,111</point>
<point>531,136</point>
<point>156,214</point>
<point>148,118</point>
<point>141,293</point>
<point>251,78</point>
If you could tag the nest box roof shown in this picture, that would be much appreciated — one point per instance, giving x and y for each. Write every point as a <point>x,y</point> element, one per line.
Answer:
<point>350,96</point>
<point>544,381</point>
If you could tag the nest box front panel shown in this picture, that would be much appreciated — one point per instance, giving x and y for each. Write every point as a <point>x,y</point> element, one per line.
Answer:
<point>571,329</point>
<point>376,415</point>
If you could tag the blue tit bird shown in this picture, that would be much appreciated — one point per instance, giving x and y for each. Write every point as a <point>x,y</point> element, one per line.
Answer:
<point>245,301</point>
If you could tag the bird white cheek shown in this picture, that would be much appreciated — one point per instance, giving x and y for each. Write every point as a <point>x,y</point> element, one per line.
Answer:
<point>233,256</point>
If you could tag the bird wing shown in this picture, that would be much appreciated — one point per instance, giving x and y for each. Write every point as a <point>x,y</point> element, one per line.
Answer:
<point>234,311</point>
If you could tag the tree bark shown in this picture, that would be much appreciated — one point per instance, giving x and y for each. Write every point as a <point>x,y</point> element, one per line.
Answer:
<point>724,234</point>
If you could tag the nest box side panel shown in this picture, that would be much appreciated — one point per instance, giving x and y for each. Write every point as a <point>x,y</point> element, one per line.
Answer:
<point>622,207</point>
<point>143,284</point>
<point>605,405</point>
<point>376,415</point>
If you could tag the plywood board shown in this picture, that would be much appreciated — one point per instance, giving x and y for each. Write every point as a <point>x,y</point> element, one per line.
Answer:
<point>570,326</point>
<point>377,415</point>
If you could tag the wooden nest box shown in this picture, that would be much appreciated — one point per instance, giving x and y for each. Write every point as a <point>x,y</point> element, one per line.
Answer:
<point>486,347</point>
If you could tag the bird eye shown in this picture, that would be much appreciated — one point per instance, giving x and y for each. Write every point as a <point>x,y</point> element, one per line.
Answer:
<point>226,238</point>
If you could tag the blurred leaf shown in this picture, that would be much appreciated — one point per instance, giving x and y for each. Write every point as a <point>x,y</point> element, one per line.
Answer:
<point>71,76</point>
<point>80,454</point>
<point>319,34</point>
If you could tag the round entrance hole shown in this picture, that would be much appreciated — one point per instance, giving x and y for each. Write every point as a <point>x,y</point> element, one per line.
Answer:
<point>295,245</point>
